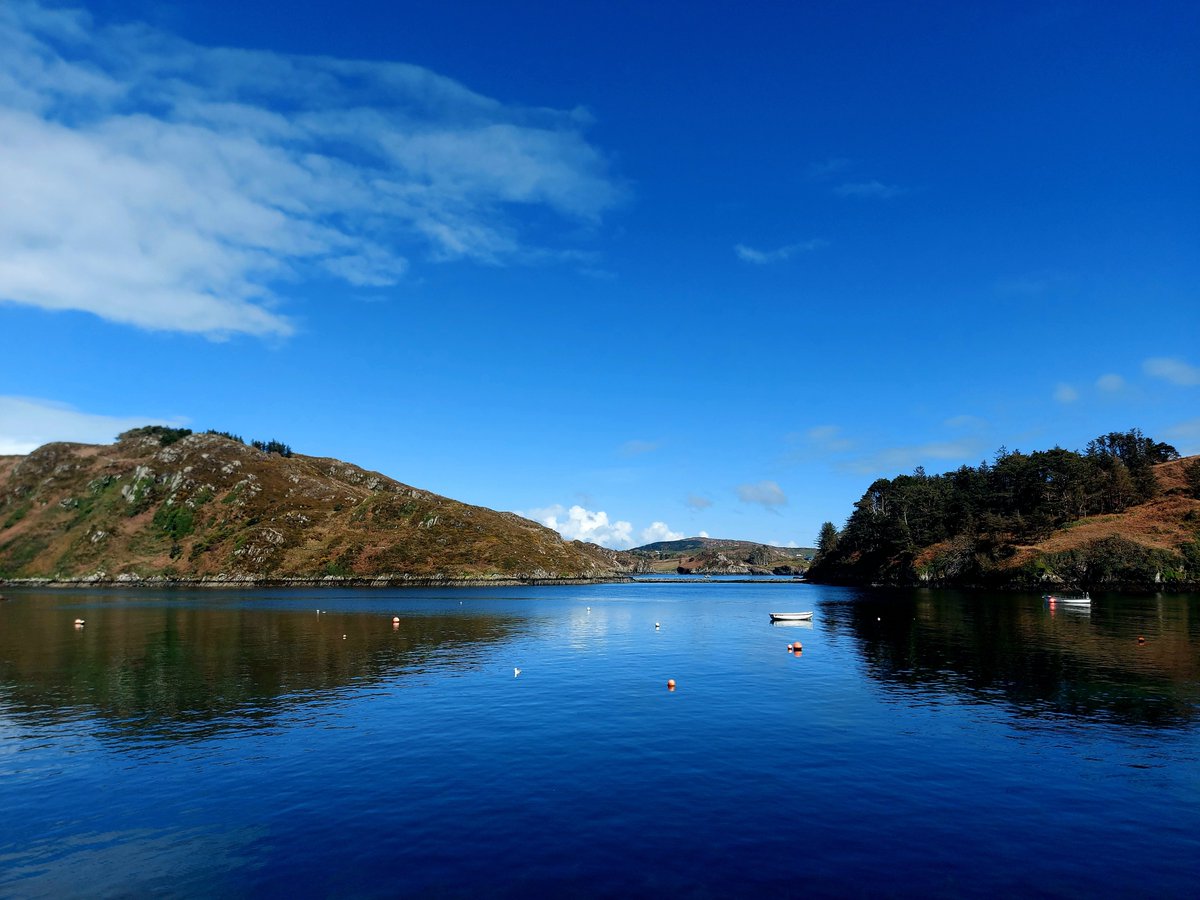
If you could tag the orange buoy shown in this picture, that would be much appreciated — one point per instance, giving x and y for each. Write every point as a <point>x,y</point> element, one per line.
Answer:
<point>395,620</point>
<point>797,646</point>
<point>1141,640</point>
<point>670,684</point>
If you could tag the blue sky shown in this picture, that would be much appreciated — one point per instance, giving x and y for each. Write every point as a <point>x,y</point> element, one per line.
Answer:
<point>636,270</point>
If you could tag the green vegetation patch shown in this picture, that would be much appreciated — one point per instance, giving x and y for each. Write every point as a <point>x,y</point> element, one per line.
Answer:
<point>1112,560</point>
<point>17,515</point>
<point>177,520</point>
<point>165,436</point>
<point>16,554</point>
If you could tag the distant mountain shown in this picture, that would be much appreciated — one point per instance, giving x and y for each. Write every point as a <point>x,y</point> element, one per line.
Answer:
<point>717,556</point>
<point>206,507</point>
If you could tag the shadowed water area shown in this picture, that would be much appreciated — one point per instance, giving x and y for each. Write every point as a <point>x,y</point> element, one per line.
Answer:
<point>924,743</point>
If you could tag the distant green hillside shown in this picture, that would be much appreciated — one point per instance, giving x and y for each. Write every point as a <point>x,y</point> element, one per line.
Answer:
<point>688,545</point>
<point>703,555</point>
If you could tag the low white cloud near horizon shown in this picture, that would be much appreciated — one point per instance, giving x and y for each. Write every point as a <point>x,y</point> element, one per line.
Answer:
<point>578,523</point>
<point>169,186</point>
<point>27,423</point>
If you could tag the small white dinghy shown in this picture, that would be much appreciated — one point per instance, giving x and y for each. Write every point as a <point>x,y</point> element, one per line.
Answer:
<point>791,617</point>
<point>1077,599</point>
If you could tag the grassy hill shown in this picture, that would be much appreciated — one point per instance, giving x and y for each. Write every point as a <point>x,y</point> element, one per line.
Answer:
<point>209,508</point>
<point>704,555</point>
<point>1154,543</point>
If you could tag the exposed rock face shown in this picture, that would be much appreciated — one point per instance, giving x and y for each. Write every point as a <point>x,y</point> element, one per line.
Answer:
<point>208,508</point>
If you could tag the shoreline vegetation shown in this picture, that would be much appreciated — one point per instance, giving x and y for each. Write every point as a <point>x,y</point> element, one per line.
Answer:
<point>167,507</point>
<point>327,581</point>
<point>1124,513</point>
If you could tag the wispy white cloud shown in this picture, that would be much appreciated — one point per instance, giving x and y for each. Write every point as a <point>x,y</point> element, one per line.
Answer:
<point>1186,436</point>
<point>698,501</point>
<point>1023,287</point>
<point>659,531</point>
<point>1065,393</point>
<point>966,421</point>
<point>829,438</point>
<point>158,183</point>
<point>1176,371</point>
<point>896,460</point>
<point>1110,383</point>
<point>767,494</point>
<point>870,190</point>
<point>26,423</point>
<point>779,254</point>
<point>580,524</point>
<point>828,168</point>
<point>638,448</point>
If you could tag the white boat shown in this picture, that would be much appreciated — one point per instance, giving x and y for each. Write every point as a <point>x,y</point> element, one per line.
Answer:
<point>1068,598</point>
<point>791,617</point>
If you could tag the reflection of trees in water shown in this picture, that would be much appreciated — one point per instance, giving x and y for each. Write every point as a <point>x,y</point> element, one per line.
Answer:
<point>184,673</point>
<point>1043,662</point>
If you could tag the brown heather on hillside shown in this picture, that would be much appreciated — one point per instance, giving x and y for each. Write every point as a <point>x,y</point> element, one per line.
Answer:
<point>207,508</point>
<point>1164,526</point>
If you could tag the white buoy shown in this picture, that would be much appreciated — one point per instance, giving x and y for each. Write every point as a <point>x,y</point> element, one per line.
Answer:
<point>516,672</point>
<point>656,626</point>
<point>80,622</point>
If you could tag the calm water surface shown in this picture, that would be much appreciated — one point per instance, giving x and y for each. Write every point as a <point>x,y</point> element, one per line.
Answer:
<point>923,744</point>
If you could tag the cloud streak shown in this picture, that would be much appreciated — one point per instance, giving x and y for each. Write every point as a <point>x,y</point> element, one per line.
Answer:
<point>767,494</point>
<point>26,423</point>
<point>900,459</point>
<point>870,190</point>
<point>169,186</point>
<point>638,448</point>
<point>1175,371</point>
<point>1065,393</point>
<point>779,254</point>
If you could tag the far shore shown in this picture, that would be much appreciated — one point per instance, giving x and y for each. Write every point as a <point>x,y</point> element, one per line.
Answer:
<point>327,581</point>
<point>389,581</point>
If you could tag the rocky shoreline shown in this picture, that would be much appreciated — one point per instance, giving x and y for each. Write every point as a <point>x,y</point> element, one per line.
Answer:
<point>219,582</point>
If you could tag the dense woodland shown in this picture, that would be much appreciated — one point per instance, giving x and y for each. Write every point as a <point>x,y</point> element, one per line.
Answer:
<point>985,510</point>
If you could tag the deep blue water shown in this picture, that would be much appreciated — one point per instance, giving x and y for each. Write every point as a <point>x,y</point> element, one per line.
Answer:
<point>923,744</point>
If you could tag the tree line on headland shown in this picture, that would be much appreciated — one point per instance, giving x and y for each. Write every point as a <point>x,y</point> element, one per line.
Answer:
<point>167,436</point>
<point>969,525</point>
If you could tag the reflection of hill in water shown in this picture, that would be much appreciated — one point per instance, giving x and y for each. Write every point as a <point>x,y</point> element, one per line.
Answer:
<point>164,672</point>
<point>1043,662</point>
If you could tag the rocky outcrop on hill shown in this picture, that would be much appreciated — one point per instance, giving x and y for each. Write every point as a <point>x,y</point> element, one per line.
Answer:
<point>209,509</point>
